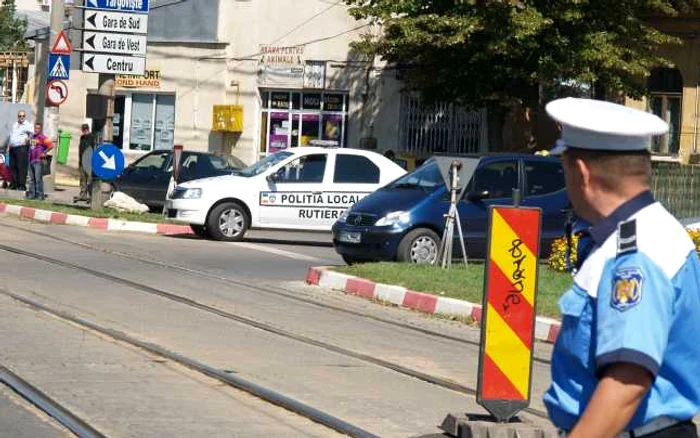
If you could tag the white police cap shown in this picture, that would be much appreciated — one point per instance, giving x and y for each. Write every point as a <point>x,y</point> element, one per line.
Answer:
<point>601,125</point>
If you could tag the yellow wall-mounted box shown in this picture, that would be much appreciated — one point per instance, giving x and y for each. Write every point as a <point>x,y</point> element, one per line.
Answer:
<point>227,118</point>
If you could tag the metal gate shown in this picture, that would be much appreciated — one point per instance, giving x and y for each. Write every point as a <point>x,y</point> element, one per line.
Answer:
<point>443,127</point>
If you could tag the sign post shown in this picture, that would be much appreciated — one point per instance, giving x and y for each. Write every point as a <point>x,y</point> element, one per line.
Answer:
<point>114,42</point>
<point>509,303</point>
<point>58,70</point>
<point>107,164</point>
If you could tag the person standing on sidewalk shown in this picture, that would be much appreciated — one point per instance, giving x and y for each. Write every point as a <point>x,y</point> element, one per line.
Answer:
<point>625,360</point>
<point>40,144</point>
<point>85,149</point>
<point>18,145</point>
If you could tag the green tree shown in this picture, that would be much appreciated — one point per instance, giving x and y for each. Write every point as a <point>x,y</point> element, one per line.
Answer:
<point>495,53</point>
<point>12,29</point>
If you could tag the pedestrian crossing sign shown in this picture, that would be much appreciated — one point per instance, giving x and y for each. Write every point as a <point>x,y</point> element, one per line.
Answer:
<point>59,67</point>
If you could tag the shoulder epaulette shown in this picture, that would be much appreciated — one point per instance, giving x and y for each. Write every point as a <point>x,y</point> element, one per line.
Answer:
<point>627,237</point>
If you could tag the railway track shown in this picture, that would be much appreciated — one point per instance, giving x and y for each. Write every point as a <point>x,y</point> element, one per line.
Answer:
<point>64,416</point>
<point>376,361</point>
<point>279,292</point>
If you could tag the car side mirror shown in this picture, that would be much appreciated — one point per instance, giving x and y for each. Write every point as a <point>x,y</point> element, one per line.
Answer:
<point>478,195</point>
<point>273,177</point>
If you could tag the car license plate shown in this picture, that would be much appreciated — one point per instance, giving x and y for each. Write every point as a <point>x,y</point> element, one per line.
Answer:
<point>349,237</point>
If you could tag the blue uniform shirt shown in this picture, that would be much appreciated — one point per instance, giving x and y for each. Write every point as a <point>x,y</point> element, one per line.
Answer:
<point>635,299</point>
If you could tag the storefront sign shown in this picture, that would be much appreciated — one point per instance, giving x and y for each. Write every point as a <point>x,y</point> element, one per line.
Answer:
<point>312,101</point>
<point>333,102</point>
<point>315,75</point>
<point>281,65</point>
<point>282,55</point>
<point>19,59</point>
<point>150,79</point>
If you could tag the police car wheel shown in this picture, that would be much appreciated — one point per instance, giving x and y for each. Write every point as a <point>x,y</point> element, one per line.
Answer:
<point>228,221</point>
<point>419,246</point>
<point>199,230</point>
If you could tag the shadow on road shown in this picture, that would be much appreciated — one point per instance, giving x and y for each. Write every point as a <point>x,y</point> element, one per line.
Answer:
<point>263,240</point>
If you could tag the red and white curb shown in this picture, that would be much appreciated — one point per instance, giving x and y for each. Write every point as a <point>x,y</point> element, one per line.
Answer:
<point>546,329</point>
<point>53,217</point>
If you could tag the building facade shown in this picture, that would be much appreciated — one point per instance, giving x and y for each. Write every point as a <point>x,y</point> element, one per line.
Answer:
<point>249,78</point>
<point>285,67</point>
<point>674,91</point>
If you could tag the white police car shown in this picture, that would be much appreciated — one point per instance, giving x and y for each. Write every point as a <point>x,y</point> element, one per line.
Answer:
<point>304,188</point>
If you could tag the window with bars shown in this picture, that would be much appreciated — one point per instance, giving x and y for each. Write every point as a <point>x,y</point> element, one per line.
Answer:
<point>443,127</point>
<point>666,87</point>
<point>12,83</point>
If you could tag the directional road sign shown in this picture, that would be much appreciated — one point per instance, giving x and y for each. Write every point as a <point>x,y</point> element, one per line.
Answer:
<point>107,161</point>
<point>56,92</point>
<point>59,67</point>
<point>62,44</point>
<point>113,64</point>
<point>116,22</point>
<point>123,43</point>
<point>119,5</point>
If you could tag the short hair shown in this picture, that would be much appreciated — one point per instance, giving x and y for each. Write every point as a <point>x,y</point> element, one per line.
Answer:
<point>37,124</point>
<point>612,167</point>
<point>84,126</point>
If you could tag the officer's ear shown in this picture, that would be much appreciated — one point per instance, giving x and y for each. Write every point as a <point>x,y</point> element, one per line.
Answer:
<point>583,169</point>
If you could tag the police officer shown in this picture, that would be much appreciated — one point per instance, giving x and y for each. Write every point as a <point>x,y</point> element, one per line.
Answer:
<point>626,359</point>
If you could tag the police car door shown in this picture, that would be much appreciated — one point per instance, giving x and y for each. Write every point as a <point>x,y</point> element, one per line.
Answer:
<point>354,177</point>
<point>293,197</point>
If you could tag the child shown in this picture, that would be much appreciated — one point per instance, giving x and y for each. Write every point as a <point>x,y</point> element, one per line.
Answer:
<point>5,174</point>
<point>39,145</point>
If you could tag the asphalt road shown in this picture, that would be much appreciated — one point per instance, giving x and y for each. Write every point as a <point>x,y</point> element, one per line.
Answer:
<point>124,391</point>
<point>18,418</point>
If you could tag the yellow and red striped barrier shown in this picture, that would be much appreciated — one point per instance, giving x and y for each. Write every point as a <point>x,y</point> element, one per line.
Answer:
<point>508,324</point>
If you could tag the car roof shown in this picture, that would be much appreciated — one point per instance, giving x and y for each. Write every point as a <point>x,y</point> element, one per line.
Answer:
<point>318,149</point>
<point>499,155</point>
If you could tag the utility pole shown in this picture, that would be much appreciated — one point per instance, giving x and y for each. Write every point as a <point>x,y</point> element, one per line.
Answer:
<point>50,113</point>
<point>107,85</point>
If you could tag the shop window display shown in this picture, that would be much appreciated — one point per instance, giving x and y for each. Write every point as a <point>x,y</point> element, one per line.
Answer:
<point>298,118</point>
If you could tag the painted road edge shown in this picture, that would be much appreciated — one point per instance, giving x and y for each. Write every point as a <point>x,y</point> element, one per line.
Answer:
<point>107,224</point>
<point>546,329</point>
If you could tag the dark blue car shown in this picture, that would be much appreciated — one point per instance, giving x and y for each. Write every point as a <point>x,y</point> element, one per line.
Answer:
<point>405,220</point>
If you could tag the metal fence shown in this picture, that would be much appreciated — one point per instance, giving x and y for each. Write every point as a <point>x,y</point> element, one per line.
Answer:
<point>443,127</point>
<point>677,187</point>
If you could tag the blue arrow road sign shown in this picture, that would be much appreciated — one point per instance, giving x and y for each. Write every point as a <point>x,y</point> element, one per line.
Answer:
<point>107,161</point>
<point>59,67</point>
<point>119,5</point>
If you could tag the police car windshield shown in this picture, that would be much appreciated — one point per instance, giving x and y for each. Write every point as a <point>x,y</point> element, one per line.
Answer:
<point>426,178</point>
<point>264,164</point>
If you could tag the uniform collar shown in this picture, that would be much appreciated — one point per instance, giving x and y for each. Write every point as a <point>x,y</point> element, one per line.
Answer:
<point>604,229</point>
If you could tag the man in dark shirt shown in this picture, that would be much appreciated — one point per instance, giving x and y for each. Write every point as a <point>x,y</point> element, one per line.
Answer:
<point>87,146</point>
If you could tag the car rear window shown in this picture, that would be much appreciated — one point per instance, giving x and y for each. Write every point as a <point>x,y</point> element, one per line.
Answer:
<point>543,177</point>
<point>355,169</point>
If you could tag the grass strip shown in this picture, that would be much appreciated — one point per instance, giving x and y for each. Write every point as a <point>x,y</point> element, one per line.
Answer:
<point>460,282</point>
<point>86,211</point>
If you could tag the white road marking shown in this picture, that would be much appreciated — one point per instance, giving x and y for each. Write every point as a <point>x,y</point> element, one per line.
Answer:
<point>279,252</point>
